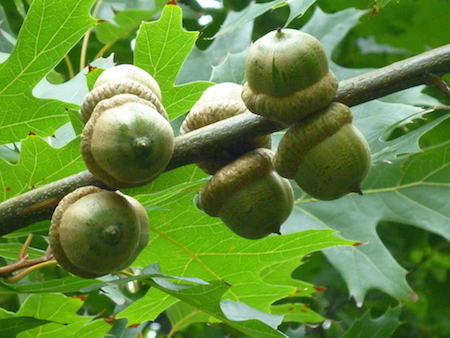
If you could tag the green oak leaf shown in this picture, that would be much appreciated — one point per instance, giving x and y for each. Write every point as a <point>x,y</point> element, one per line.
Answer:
<point>248,14</point>
<point>207,298</point>
<point>82,328</point>
<point>50,314</point>
<point>183,314</point>
<point>232,69</point>
<point>50,30</point>
<point>125,22</point>
<point>161,48</point>
<point>408,190</point>
<point>39,164</point>
<point>383,326</point>
<point>187,242</point>
<point>200,63</point>
<point>298,9</point>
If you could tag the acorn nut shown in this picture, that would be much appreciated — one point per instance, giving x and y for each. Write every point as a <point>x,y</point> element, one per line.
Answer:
<point>249,196</point>
<point>287,76</point>
<point>325,153</point>
<point>217,103</point>
<point>94,232</point>
<point>126,142</point>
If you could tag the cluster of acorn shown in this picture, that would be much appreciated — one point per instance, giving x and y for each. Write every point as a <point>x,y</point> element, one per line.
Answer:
<point>288,80</point>
<point>127,141</point>
<point>244,191</point>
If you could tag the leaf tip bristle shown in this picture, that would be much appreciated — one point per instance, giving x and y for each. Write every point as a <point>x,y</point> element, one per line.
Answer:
<point>414,297</point>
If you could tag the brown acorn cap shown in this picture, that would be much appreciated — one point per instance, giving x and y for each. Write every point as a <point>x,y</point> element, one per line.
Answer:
<point>130,72</point>
<point>233,177</point>
<point>113,88</point>
<point>295,106</point>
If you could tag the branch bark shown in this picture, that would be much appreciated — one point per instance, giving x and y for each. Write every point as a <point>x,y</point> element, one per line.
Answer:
<point>198,145</point>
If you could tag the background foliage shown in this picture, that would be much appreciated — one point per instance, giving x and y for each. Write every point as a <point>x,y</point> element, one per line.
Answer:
<point>194,269</point>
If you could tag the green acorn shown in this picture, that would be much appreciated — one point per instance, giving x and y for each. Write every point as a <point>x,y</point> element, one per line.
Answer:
<point>249,196</point>
<point>325,153</point>
<point>287,76</point>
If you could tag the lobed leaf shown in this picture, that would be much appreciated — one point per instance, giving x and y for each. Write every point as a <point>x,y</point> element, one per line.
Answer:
<point>383,326</point>
<point>407,190</point>
<point>250,13</point>
<point>200,63</point>
<point>208,299</point>
<point>186,242</point>
<point>81,328</point>
<point>50,315</point>
<point>39,164</point>
<point>161,48</point>
<point>49,31</point>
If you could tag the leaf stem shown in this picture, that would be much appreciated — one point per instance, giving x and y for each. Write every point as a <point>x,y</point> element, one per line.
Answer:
<point>86,37</point>
<point>69,66</point>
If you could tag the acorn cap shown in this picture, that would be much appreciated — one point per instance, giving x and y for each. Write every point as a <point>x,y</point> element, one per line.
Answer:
<point>129,72</point>
<point>234,177</point>
<point>116,87</point>
<point>217,103</point>
<point>287,76</point>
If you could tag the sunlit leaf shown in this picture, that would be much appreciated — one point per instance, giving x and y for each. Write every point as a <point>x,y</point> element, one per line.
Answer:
<point>197,245</point>
<point>39,164</point>
<point>50,30</point>
<point>161,48</point>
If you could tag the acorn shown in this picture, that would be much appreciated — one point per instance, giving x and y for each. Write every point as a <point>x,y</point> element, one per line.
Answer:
<point>217,103</point>
<point>249,196</point>
<point>126,143</point>
<point>287,76</point>
<point>94,232</point>
<point>325,154</point>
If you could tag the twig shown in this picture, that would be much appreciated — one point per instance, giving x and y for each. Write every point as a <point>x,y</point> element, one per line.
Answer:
<point>28,265</point>
<point>437,82</point>
<point>201,144</point>
<point>20,275</point>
